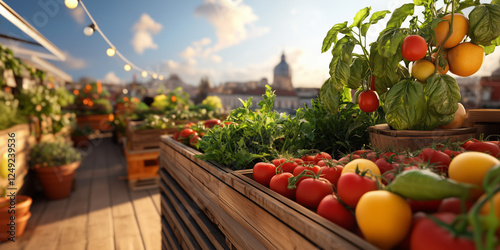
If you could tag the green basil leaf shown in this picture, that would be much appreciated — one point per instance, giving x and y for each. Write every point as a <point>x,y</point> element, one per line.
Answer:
<point>331,36</point>
<point>442,94</point>
<point>359,72</point>
<point>364,28</point>
<point>484,24</point>
<point>342,58</point>
<point>489,49</point>
<point>330,95</point>
<point>432,121</point>
<point>421,2</point>
<point>379,15</point>
<point>466,4</point>
<point>389,41</point>
<point>360,17</point>
<point>405,105</point>
<point>386,70</point>
<point>495,2</point>
<point>400,14</point>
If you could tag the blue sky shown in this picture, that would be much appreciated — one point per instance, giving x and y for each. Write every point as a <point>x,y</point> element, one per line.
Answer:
<point>226,40</point>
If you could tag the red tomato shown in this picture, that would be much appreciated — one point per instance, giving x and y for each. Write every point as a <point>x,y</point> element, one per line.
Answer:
<point>414,48</point>
<point>308,159</point>
<point>451,153</point>
<point>176,135</point>
<point>439,159</point>
<point>346,159</point>
<point>454,205</point>
<point>287,165</point>
<point>332,174</point>
<point>427,235</point>
<point>189,125</point>
<point>372,84</point>
<point>279,184</point>
<point>368,101</point>
<point>211,123</point>
<point>331,209</point>
<point>485,147</point>
<point>194,140</point>
<point>352,186</point>
<point>424,206</point>
<point>322,156</point>
<point>299,169</point>
<point>263,172</point>
<point>383,165</point>
<point>323,163</point>
<point>311,191</point>
<point>186,133</point>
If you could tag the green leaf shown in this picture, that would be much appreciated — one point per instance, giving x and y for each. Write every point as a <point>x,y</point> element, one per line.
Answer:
<point>386,70</point>
<point>484,24</point>
<point>421,2</point>
<point>405,105</point>
<point>495,2</point>
<point>442,94</point>
<point>342,57</point>
<point>331,36</point>
<point>360,17</point>
<point>389,41</point>
<point>330,96</point>
<point>377,16</point>
<point>359,72</point>
<point>400,14</point>
<point>466,4</point>
<point>489,49</point>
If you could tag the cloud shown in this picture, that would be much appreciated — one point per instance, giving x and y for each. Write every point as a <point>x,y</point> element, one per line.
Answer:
<point>144,30</point>
<point>79,15</point>
<point>200,50</point>
<point>111,78</point>
<point>233,21</point>
<point>73,62</point>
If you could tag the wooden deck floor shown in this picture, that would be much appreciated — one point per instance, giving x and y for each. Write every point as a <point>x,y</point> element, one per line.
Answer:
<point>101,213</point>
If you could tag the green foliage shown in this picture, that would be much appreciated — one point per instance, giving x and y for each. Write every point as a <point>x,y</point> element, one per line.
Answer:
<point>9,115</point>
<point>38,101</point>
<point>53,154</point>
<point>156,122</point>
<point>175,99</point>
<point>405,105</point>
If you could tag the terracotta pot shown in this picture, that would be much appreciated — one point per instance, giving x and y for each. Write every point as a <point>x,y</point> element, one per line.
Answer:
<point>22,206</point>
<point>57,181</point>
<point>7,230</point>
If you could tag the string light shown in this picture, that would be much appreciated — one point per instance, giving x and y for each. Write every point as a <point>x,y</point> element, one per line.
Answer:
<point>71,4</point>
<point>89,30</point>
<point>111,52</point>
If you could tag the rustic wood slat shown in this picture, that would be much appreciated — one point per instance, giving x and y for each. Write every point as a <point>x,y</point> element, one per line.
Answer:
<point>175,193</point>
<point>168,237</point>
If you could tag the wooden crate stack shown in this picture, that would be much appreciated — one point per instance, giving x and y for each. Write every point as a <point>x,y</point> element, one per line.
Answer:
<point>140,139</point>
<point>142,167</point>
<point>205,206</point>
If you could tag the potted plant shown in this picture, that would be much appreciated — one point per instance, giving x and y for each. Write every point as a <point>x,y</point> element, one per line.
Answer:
<point>55,164</point>
<point>21,213</point>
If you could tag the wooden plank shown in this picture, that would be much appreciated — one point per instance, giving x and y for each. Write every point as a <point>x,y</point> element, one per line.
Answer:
<point>168,237</point>
<point>149,219</point>
<point>46,234</point>
<point>207,201</point>
<point>171,189</point>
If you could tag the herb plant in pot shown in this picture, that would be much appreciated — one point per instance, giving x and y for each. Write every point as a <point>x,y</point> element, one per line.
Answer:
<point>55,164</point>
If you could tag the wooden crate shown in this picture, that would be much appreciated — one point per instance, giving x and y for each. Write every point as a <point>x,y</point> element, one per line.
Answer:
<point>145,138</point>
<point>142,166</point>
<point>22,137</point>
<point>198,196</point>
<point>486,121</point>
<point>381,136</point>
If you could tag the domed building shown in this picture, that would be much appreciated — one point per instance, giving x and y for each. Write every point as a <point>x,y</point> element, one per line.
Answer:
<point>282,75</point>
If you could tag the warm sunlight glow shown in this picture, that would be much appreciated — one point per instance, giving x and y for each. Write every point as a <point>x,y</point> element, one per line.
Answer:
<point>127,67</point>
<point>110,52</point>
<point>71,4</point>
<point>144,74</point>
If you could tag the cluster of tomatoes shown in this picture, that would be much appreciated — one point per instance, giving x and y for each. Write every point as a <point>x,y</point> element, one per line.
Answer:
<point>350,191</point>
<point>460,58</point>
<point>191,133</point>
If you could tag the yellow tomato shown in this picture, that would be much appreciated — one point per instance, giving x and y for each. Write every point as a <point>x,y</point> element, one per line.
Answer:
<point>362,165</point>
<point>460,29</point>
<point>471,167</point>
<point>384,218</point>
<point>458,120</point>
<point>422,69</point>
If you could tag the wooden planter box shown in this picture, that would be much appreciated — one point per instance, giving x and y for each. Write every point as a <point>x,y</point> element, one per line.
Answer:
<point>381,136</point>
<point>100,122</point>
<point>140,139</point>
<point>213,207</point>
<point>142,167</point>
<point>486,121</point>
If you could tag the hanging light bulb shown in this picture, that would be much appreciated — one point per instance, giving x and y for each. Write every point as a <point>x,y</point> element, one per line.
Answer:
<point>71,4</point>
<point>155,76</point>
<point>127,67</point>
<point>89,30</point>
<point>144,74</point>
<point>160,77</point>
<point>111,51</point>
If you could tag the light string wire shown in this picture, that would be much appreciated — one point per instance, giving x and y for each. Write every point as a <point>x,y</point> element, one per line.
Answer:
<point>111,44</point>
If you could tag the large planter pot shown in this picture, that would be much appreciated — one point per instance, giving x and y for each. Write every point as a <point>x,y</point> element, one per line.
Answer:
<point>382,137</point>
<point>9,228</point>
<point>22,206</point>
<point>57,182</point>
